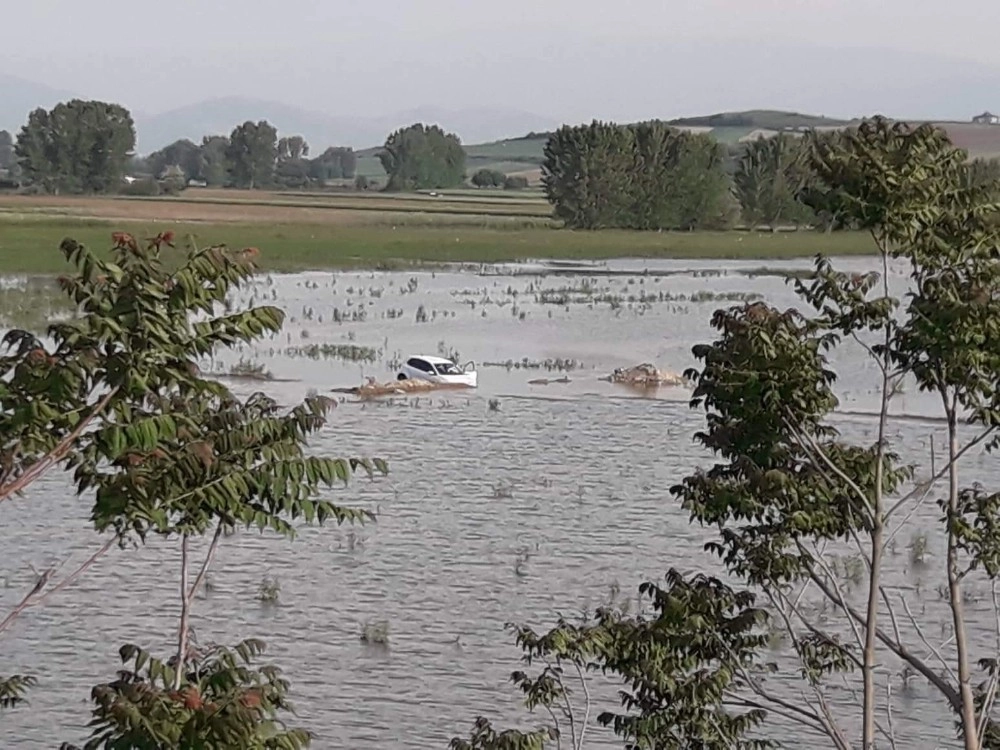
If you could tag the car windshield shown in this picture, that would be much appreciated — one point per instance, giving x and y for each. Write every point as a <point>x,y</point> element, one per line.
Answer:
<point>448,369</point>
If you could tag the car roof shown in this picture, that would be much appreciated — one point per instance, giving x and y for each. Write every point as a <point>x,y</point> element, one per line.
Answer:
<point>434,360</point>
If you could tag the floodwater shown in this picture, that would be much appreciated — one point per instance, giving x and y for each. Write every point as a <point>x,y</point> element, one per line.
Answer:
<point>513,502</point>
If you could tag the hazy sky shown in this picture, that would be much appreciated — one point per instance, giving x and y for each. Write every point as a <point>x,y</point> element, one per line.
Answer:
<point>566,58</point>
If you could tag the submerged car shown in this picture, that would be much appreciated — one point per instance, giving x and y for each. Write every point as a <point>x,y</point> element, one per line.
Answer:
<point>438,370</point>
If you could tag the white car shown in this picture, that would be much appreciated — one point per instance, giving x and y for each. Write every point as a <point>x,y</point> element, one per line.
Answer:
<point>438,370</point>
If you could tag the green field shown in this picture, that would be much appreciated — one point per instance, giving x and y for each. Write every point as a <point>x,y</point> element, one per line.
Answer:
<point>31,246</point>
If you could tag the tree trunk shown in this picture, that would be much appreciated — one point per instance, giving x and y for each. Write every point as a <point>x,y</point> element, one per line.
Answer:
<point>182,632</point>
<point>875,574</point>
<point>871,631</point>
<point>968,712</point>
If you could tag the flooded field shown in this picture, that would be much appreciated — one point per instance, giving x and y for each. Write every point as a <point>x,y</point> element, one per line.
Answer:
<point>515,501</point>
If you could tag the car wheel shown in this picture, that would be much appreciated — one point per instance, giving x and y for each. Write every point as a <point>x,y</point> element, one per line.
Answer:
<point>401,376</point>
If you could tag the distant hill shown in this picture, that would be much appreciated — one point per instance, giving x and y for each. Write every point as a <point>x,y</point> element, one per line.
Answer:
<point>525,154</point>
<point>322,130</point>
<point>766,119</point>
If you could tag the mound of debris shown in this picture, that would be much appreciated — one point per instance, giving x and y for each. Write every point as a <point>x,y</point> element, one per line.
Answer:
<point>372,388</point>
<point>644,376</point>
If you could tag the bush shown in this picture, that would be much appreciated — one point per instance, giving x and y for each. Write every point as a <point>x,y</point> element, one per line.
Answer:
<point>361,182</point>
<point>515,182</point>
<point>172,185</point>
<point>488,178</point>
<point>146,188</point>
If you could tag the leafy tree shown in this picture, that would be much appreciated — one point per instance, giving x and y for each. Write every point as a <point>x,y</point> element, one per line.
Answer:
<point>585,175</point>
<point>183,154</point>
<point>674,667</point>
<point>489,178</point>
<point>335,163</point>
<point>515,182</point>
<point>293,147</point>
<point>642,176</point>
<point>8,158</point>
<point>77,147</point>
<point>214,169</point>
<point>421,157</point>
<point>223,703</point>
<point>826,205</point>
<point>117,397</point>
<point>676,181</point>
<point>348,163</point>
<point>292,173</point>
<point>252,154</point>
<point>485,737</point>
<point>769,178</point>
<point>794,503</point>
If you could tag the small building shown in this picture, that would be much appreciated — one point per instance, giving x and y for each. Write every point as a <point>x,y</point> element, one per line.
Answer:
<point>986,118</point>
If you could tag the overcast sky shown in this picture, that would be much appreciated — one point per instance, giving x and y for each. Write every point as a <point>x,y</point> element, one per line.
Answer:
<point>565,58</point>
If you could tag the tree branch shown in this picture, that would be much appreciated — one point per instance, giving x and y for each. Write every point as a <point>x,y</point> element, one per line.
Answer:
<point>586,712</point>
<point>38,595</point>
<point>809,718</point>
<point>808,625</point>
<point>991,691</point>
<point>57,453</point>
<point>840,600</point>
<point>892,614</point>
<point>891,734</point>
<point>926,486</point>
<point>208,561</point>
<point>923,639</point>
<point>790,711</point>
<point>809,444</point>
<point>949,692</point>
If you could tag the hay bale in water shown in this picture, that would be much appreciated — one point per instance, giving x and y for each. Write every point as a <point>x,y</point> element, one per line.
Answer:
<point>373,389</point>
<point>644,376</point>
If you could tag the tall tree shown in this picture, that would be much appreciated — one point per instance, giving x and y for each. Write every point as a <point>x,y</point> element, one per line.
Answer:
<point>769,178</point>
<point>292,173</point>
<point>421,157</point>
<point>348,163</point>
<point>293,147</point>
<point>642,176</point>
<point>585,174</point>
<point>78,146</point>
<point>214,168</point>
<point>337,162</point>
<point>253,154</point>
<point>182,153</point>
<point>8,158</point>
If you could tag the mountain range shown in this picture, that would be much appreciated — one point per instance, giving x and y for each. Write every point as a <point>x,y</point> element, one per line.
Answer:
<point>843,82</point>
<point>218,116</point>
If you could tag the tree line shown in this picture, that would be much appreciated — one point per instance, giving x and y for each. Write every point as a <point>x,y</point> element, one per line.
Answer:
<point>643,176</point>
<point>654,176</point>
<point>88,147</point>
<point>803,520</point>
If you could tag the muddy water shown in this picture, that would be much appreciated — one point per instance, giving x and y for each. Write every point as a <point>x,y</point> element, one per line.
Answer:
<point>536,505</point>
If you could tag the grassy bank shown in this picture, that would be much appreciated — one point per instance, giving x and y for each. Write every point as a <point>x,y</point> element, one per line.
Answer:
<point>30,245</point>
